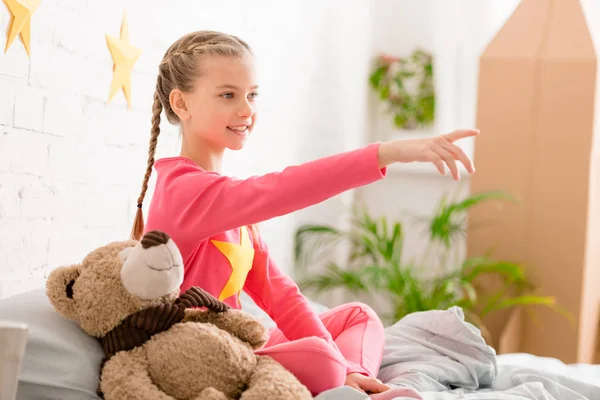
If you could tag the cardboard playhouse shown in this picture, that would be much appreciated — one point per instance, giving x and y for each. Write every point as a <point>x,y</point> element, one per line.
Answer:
<point>538,112</point>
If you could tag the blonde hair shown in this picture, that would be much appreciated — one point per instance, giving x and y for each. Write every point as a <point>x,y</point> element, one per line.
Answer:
<point>179,69</point>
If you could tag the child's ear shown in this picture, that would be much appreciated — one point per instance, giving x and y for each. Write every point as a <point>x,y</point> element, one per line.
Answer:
<point>59,289</point>
<point>178,104</point>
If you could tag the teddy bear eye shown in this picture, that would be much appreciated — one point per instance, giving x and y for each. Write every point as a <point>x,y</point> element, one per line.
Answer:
<point>70,289</point>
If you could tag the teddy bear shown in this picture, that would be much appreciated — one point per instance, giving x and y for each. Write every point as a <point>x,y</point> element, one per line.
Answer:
<point>160,343</point>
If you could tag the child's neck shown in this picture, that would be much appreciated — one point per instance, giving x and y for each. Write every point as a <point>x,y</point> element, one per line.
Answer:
<point>204,155</point>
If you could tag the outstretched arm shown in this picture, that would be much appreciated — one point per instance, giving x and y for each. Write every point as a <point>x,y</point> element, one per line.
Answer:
<point>208,203</point>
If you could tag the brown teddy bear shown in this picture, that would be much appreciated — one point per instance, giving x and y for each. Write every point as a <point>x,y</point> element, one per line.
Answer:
<point>158,344</point>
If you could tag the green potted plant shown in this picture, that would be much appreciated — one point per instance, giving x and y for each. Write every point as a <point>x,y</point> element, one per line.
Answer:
<point>376,272</point>
<point>406,86</point>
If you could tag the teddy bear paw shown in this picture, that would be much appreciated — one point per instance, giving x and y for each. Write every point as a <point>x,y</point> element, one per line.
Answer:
<point>211,394</point>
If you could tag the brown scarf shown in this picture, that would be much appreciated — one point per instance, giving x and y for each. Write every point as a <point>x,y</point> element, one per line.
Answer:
<point>138,328</point>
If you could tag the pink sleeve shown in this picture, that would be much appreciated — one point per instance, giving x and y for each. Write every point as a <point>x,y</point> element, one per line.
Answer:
<point>209,203</point>
<point>279,296</point>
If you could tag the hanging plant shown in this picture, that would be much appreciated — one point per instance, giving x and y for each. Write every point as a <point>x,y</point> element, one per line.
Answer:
<point>406,86</point>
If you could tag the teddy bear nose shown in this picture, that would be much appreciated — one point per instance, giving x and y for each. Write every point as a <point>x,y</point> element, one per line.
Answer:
<point>154,238</point>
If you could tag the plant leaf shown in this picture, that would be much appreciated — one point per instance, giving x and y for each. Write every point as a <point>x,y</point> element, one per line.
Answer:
<point>336,277</point>
<point>525,300</point>
<point>375,265</point>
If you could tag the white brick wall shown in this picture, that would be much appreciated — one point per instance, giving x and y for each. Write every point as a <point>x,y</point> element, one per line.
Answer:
<point>71,164</point>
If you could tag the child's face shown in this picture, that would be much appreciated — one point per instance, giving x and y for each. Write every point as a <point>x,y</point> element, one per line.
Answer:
<point>222,106</point>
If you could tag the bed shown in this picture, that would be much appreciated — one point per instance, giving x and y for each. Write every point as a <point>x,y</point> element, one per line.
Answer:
<point>435,352</point>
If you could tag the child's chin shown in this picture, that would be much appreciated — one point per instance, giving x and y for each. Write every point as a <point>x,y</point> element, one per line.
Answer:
<point>237,146</point>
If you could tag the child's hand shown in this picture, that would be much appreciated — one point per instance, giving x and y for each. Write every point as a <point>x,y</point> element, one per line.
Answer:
<point>365,383</point>
<point>437,150</point>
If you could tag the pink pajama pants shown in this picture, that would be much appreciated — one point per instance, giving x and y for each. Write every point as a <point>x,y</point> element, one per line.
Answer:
<point>358,333</point>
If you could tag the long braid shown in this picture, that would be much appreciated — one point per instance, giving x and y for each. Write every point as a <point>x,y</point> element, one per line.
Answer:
<point>138,225</point>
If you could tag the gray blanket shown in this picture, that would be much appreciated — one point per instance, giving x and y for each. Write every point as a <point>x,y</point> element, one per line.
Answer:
<point>445,358</point>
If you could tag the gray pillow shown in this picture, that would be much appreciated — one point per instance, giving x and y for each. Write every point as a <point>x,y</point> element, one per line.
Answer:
<point>61,361</point>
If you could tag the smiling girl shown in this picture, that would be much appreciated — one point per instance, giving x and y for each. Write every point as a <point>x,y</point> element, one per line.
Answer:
<point>206,84</point>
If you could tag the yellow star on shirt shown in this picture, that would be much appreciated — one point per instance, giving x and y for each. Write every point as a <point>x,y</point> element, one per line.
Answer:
<point>124,57</point>
<point>240,257</point>
<point>22,10</point>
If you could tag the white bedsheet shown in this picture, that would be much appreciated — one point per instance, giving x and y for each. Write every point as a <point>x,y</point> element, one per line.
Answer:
<point>586,372</point>
<point>445,358</point>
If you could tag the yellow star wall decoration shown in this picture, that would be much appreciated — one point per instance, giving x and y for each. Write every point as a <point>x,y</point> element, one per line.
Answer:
<point>240,257</point>
<point>21,11</point>
<point>124,57</point>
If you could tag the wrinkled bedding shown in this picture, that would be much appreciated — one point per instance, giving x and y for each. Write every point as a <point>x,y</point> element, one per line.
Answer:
<point>445,358</point>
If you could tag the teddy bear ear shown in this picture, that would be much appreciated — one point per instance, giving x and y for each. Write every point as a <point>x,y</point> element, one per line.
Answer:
<point>59,289</point>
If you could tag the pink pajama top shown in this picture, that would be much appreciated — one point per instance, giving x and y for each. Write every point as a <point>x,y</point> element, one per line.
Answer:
<point>208,214</point>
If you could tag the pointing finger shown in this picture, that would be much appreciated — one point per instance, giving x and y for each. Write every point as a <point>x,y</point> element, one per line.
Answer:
<point>461,133</point>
